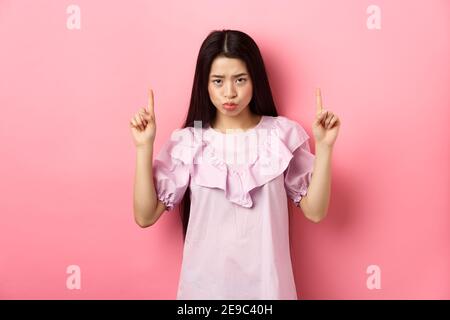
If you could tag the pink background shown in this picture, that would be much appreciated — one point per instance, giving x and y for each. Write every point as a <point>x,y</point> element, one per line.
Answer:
<point>68,160</point>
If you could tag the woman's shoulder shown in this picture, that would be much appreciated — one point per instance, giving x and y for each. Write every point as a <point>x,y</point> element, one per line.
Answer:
<point>182,136</point>
<point>286,125</point>
<point>182,144</point>
<point>283,122</point>
<point>288,130</point>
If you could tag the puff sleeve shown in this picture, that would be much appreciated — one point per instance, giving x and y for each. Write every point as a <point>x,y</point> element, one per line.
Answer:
<point>299,172</point>
<point>171,170</point>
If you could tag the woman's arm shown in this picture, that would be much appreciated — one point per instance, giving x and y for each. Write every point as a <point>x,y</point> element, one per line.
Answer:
<point>145,200</point>
<point>315,203</point>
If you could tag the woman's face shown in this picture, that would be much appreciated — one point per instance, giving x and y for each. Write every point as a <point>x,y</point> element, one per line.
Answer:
<point>229,82</point>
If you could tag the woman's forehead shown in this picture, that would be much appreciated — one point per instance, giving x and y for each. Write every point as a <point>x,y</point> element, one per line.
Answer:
<point>227,66</point>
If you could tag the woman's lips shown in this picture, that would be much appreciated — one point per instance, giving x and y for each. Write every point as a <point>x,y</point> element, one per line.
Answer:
<point>229,106</point>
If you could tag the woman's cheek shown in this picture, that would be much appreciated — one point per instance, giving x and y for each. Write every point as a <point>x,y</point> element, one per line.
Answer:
<point>213,96</point>
<point>248,90</point>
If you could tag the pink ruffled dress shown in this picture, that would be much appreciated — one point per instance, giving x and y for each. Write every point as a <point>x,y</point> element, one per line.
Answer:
<point>237,241</point>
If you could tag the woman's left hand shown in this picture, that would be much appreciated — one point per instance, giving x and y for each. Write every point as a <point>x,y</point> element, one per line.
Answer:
<point>326,125</point>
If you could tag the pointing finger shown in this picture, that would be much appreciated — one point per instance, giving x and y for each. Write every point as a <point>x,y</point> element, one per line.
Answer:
<point>151,107</point>
<point>318,101</point>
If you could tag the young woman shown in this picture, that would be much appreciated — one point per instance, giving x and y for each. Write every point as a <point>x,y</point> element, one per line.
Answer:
<point>232,168</point>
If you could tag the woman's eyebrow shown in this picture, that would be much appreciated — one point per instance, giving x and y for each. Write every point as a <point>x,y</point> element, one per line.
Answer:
<point>222,76</point>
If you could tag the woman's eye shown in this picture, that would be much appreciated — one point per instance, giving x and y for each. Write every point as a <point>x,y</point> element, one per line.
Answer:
<point>214,81</point>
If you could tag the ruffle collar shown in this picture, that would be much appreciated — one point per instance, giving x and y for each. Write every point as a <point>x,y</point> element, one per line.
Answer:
<point>265,152</point>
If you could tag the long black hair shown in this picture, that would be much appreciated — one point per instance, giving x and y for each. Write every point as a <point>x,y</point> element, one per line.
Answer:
<point>230,44</point>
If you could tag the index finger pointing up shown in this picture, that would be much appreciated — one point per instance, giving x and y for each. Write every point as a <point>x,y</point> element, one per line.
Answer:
<point>318,101</point>
<point>151,108</point>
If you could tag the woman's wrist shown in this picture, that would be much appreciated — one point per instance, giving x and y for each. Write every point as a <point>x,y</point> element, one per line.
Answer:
<point>323,147</point>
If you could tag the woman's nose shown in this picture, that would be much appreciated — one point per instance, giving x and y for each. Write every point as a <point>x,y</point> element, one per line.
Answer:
<point>230,92</point>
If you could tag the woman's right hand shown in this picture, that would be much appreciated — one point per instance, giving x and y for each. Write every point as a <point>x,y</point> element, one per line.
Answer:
<point>143,124</point>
